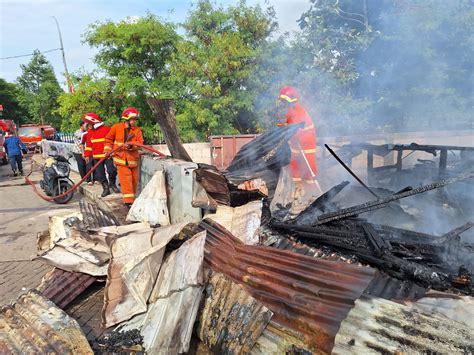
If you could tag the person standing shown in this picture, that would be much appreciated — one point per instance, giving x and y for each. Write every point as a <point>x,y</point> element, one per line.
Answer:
<point>95,150</point>
<point>126,159</point>
<point>303,167</point>
<point>14,149</point>
<point>78,150</point>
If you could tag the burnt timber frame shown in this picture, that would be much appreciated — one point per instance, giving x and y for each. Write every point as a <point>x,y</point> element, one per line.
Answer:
<point>384,149</point>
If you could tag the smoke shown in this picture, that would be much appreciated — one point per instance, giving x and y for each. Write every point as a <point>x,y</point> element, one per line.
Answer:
<point>410,69</point>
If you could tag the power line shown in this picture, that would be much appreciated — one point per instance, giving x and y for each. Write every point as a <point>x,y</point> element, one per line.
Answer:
<point>28,55</point>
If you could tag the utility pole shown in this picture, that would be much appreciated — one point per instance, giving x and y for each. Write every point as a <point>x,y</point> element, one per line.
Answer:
<point>68,78</point>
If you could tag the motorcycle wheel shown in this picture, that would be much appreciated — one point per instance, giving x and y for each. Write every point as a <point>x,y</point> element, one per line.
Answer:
<point>60,188</point>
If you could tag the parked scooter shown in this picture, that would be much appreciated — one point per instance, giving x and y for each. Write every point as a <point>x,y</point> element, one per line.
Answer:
<point>56,179</point>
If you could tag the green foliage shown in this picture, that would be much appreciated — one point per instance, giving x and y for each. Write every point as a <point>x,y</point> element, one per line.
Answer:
<point>39,90</point>
<point>12,110</point>
<point>360,65</point>
<point>102,96</point>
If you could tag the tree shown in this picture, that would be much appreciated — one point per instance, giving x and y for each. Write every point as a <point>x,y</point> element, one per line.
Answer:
<point>215,64</point>
<point>103,96</point>
<point>39,90</point>
<point>135,54</point>
<point>12,110</point>
<point>205,72</point>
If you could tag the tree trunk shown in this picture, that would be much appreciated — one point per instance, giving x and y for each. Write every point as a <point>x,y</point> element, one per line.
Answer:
<point>163,109</point>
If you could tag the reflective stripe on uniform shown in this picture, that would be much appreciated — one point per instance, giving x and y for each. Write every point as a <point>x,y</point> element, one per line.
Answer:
<point>124,162</point>
<point>98,140</point>
<point>287,98</point>
<point>98,156</point>
<point>308,128</point>
<point>87,148</point>
<point>107,148</point>
<point>297,179</point>
<point>118,143</point>
<point>305,151</point>
<point>128,195</point>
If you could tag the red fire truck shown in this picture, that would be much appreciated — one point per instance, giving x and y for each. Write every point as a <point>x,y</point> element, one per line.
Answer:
<point>31,134</point>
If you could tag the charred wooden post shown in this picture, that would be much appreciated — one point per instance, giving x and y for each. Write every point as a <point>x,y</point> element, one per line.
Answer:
<point>164,112</point>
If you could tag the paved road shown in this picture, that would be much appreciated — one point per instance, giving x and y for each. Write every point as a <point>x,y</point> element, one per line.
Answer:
<point>22,216</point>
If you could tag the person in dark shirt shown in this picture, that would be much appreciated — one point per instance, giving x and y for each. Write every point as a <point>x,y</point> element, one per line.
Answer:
<point>14,149</point>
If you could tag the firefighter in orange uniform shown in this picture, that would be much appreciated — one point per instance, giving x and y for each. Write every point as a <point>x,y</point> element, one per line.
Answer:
<point>303,166</point>
<point>126,159</point>
<point>95,142</point>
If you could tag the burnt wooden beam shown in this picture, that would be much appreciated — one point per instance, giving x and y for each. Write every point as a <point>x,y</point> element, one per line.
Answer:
<point>164,112</point>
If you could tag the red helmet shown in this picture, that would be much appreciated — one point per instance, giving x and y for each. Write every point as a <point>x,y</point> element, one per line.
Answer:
<point>130,112</point>
<point>91,118</point>
<point>289,94</point>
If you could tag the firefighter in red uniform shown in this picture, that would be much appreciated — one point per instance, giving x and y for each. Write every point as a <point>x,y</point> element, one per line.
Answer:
<point>303,166</point>
<point>95,150</point>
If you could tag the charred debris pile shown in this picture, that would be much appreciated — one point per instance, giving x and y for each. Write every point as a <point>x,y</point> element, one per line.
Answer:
<point>244,278</point>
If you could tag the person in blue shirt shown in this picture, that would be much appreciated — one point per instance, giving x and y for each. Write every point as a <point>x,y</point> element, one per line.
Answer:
<point>14,148</point>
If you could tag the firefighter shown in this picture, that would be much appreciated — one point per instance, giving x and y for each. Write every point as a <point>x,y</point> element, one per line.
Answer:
<point>303,166</point>
<point>95,150</point>
<point>126,159</point>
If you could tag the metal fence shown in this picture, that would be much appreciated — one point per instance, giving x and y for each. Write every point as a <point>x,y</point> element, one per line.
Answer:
<point>66,137</point>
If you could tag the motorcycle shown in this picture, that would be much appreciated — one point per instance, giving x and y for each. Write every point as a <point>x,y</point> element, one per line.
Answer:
<point>56,179</point>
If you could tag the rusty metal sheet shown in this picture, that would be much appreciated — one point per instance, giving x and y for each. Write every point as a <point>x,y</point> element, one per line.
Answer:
<point>243,222</point>
<point>63,287</point>
<point>276,339</point>
<point>224,148</point>
<point>137,252</point>
<point>167,325</point>
<point>231,320</point>
<point>306,294</point>
<point>34,325</point>
<point>382,285</point>
<point>214,183</point>
<point>378,326</point>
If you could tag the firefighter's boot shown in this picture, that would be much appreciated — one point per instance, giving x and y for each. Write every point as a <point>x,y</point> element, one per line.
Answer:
<point>106,190</point>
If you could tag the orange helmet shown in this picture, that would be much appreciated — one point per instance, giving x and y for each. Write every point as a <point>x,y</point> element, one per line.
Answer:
<point>91,118</point>
<point>289,94</point>
<point>130,112</point>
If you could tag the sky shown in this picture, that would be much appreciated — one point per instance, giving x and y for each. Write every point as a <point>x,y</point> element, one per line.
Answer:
<point>26,25</point>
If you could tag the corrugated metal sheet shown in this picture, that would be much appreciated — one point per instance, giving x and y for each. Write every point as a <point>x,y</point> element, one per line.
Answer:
<point>62,287</point>
<point>377,326</point>
<point>34,325</point>
<point>137,253</point>
<point>168,323</point>
<point>276,339</point>
<point>382,285</point>
<point>242,221</point>
<point>231,320</point>
<point>224,148</point>
<point>93,217</point>
<point>456,307</point>
<point>263,157</point>
<point>214,183</point>
<point>306,294</point>
<point>390,288</point>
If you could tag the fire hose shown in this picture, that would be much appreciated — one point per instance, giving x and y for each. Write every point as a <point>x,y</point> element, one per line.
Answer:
<point>107,156</point>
